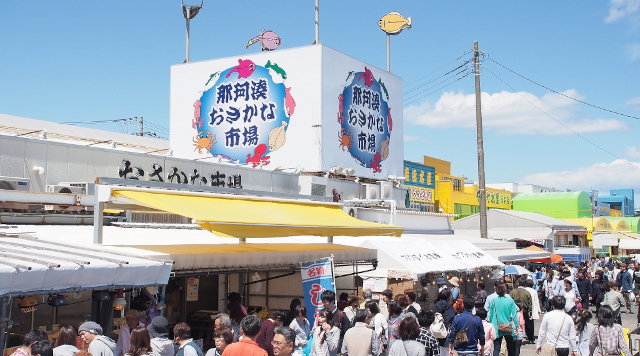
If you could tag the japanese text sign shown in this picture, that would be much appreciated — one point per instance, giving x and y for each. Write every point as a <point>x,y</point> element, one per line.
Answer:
<point>316,278</point>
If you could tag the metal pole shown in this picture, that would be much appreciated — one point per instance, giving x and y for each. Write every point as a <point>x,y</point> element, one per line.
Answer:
<point>481,187</point>
<point>188,14</point>
<point>388,53</point>
<point>317,22</point>
<point>4,321</point>
<point>141,126</point>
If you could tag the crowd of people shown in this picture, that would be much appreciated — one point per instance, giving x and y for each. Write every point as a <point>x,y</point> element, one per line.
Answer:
<point>398,325</point>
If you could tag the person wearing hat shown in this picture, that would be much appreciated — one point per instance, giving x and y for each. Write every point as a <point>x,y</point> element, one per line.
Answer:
<point>99,345</point>
<point>160,344</point>
<point>442,284</point>
<point>133,320</point>
<point>455,291</point>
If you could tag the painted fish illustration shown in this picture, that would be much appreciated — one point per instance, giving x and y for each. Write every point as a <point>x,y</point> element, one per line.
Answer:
<point>386,93</point>
<point>244,68</point>
<point>384,149</point>
<point>368,77</point>
<point>393,23</point>
<point>276,69</point>
<point>213,76</point>
<point>268,39</point>
<point>289,103</point>
<point>349,76</point>
<point>277,137</point>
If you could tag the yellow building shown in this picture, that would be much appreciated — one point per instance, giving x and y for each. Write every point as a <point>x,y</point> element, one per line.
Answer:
<point>453,197</point>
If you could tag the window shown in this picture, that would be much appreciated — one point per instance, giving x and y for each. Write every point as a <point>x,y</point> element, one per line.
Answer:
<point>457,185</point>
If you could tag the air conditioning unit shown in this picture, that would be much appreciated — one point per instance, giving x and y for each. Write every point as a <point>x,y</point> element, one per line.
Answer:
<point>89,188</point>
<point>386,189</point>
<point>370,191</point>
<point>65,189</point>
<point>11,183</point>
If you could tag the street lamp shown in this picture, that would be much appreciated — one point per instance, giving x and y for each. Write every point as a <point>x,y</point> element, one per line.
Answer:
<point>190,11</point>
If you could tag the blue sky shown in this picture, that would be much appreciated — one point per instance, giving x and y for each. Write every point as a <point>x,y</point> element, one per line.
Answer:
<point>84,61</point>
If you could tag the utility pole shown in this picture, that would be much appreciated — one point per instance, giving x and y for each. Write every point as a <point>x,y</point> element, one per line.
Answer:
<point>141,126</point>
<point>482,196</point>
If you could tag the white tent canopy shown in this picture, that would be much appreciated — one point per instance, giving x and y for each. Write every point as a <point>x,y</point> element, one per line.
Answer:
<point>467,253</point>
<point>410,259</point>
<point>630,244</point>
<point>30,266</point>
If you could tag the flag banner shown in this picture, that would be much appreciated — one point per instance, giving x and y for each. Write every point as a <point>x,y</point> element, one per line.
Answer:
<point>317,277</point>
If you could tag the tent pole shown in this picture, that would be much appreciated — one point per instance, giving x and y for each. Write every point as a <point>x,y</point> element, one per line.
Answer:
<point>4,321</point>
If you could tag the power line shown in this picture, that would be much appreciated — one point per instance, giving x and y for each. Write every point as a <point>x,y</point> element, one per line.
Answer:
<point>565,95</point>
<point>442,87</point>
<point>433,80</point>
<point>554,119</point>
<point>437,70</point>
<point>461,72</point>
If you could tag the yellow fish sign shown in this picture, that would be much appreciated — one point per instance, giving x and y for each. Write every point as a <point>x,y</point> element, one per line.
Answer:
<point>393,23</point>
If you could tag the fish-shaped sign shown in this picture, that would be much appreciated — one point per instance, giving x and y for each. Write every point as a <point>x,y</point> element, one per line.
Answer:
<point>268,39</point>
<point>393,23</point>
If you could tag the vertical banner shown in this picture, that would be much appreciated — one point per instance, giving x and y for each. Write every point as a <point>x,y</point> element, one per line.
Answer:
<point>316,278</point>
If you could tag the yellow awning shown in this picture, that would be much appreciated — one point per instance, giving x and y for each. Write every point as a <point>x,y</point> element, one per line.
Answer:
<point>253,255</point>
<point>244,217</point>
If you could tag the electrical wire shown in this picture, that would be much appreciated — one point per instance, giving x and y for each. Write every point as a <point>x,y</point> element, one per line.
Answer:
<point>554,119</point>
<point>565,95</point>
<point>461,72</point>
<point>437,70</point>
<point>442,87</point>
<point>431,81</point>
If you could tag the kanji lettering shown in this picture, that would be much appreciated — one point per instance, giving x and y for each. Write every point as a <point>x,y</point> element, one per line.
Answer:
<point>362,141</point>
<point>241,91</point>
<point>250,136</point>
<point>224,94</point>
<point>259,89</point>
<point>232,137</point>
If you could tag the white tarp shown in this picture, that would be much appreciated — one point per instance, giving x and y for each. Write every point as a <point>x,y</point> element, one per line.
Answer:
<point>630,244</point>
<point>410,259</point>
<point>28,266</point>
<point>517,255</point>
<point>468,254</point>
<point>600,240</point>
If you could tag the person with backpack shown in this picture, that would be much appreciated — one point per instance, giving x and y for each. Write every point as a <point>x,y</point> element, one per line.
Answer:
<point>444,317</point>
<point>466,331</point>
<point>426,337</point>
<point>340,319</point>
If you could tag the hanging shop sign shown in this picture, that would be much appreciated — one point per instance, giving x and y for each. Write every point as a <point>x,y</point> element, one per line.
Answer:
<point>317,277</point>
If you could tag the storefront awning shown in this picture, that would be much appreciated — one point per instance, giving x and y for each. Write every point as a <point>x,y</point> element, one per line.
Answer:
<point>245,217</point>
<point>510,255</point>
<point>254,256</point>
<point>600,240</point>
<point>29,266</point>
<point>629,242</point>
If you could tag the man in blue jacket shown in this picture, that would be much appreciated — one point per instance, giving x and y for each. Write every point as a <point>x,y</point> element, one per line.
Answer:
<point>475,330</point>
<point>624,281</point>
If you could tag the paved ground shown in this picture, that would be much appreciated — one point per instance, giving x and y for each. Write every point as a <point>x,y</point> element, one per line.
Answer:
<point>628,321</point>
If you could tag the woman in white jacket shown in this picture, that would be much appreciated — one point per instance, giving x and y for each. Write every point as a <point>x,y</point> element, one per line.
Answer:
<point>378,322</point>
<point>326,335</point>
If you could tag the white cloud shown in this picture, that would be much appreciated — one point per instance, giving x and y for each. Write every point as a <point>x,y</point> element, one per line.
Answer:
<point>634,103</point>
<point>600,176</point>
<point>633,51</point>
<point>632,151</point>
<point>509,113</point>
<point>409,138</point>
<point>621,8</point>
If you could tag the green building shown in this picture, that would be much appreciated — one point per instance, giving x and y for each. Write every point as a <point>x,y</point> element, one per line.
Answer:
<point>555,204</point>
